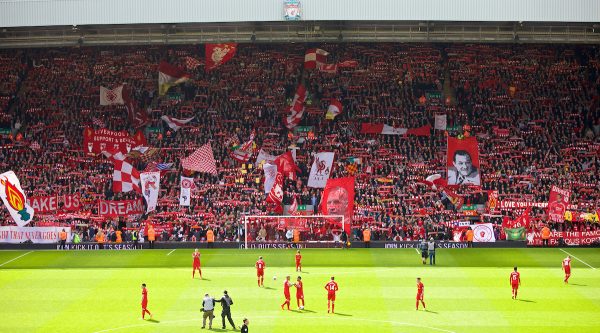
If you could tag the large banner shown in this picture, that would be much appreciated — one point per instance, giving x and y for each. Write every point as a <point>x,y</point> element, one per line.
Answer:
<point>52,204</point>
<point>569,237</point>
<point>321,168</point>
<point>120,208</point>
<point>270,171</point>
<point>557,205</point>
<point>338,199</point>
<point>185,192</point>
<point>14,198</point>
<point>150,189</point>
<point>97,141</point>
<point>38,235</point>
<point>463,161</point>
<point>483,232</point>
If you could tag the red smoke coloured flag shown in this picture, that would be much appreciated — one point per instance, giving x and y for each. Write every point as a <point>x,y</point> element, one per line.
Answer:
<point>275,197</point>
<point>328,68</point>
<point>338,199</point>
<point>313,58</point>
<point>201,160</point>
<point>137,116</point>
<point>335,108</point>
<point>218,54</point>
<point>168,76</point>
<point>286,165</point>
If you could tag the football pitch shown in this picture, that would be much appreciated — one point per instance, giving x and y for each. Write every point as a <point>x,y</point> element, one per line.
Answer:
<point>467,291</point>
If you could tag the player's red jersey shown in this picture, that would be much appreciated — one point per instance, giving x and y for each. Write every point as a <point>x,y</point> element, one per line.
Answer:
<point>196,256</point>
<point>260,267</point>
<point>299,290</point>
<point>331,288</point>
<point>298,257</point>
<point>286,289</point>
<point>515,278</point>
<point>144,297</point>
<point>420,288</point>
<point>567,265</point>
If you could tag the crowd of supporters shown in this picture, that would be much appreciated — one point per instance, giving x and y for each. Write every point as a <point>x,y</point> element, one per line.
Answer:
<point>534,109</point>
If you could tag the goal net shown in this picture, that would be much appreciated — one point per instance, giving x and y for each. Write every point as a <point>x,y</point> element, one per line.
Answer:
<point>309,228</point>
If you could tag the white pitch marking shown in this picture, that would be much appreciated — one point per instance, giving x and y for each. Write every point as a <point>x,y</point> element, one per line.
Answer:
<point>272,317</point>
<point>11,260</point>
<point>171,252</point>
<point>588,265</point>
<point>417,251</point>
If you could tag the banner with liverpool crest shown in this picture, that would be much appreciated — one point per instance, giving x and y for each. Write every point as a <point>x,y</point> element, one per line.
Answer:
<point>218,54</point>
<point>321,169</point>
<point>14,199</point>
<point>97,141</point>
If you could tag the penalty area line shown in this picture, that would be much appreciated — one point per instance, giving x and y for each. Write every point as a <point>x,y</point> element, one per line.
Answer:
<point>585,263</point>
<point>171,252</point>
<point>11,260</point>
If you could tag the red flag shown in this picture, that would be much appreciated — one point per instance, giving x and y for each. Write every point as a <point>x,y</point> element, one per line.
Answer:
<point>125,177</point>
<point>137,117</point>
<point>328,68</point>
<point>286,165</point>
<point>275,196</point>
<point>192,63</point>
<point>218,54</point>
<point>557,204</point>
<point>296,111</point>
<point>338,199</point>
<point>348,64</point>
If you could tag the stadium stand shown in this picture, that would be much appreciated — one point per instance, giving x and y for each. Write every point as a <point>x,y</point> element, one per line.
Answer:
<point>504,93</point>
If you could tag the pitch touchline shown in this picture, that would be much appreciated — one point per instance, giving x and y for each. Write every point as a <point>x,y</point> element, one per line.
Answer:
<point>11,260</point>
<point>590,266</point>
<point>275,317</point>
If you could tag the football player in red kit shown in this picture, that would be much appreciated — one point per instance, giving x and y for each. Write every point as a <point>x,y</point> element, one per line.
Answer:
<point>331,288</point>
<point>260,271</point>
<point>298,261</point>
<point>299,293</point>
<point>286,292</point>
<point>196,265</point>
<point>566,266</point>
<point>420,293</point>
<point>145,302</point>
<point>515,282</point>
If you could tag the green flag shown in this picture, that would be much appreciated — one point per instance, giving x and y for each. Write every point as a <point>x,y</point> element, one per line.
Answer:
<point>515,233</point>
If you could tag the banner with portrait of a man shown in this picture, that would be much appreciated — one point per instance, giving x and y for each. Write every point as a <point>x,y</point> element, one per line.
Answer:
<point>338,199</point>
<point>557,204</point>
<point>463,162</point>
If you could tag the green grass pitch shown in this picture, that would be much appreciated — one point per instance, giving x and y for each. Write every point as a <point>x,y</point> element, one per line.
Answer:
<point>468,291</point>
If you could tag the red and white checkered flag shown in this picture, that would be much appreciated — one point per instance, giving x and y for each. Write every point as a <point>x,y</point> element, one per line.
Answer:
<point>98,122</point>
<point>201,160</point>
<point>126,178</point>
<point>192,63</point>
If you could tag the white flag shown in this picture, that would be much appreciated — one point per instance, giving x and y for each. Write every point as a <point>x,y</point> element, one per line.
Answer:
<point>111,96</point>
<point>263,156</point>
<point>440,122</point>
<point>174,123</point>
<point>270,175</point>
<point>150,189</point>
<point>321,168</point>
<point>483,232</point>
<point>14,198</point>
<point>187,184</point>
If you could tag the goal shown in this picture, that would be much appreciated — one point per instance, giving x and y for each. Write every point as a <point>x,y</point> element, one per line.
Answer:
<point>303,223</point>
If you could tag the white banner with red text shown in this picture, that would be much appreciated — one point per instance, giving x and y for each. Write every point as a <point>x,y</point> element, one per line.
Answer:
<point>38,235</point>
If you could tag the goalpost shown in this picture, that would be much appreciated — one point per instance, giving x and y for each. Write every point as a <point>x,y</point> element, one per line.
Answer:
<point>289,221</point>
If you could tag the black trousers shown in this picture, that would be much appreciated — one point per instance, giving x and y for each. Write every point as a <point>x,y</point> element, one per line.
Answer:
<point>228,315</point>
<point>544,242</point>
<point>62,244</point>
